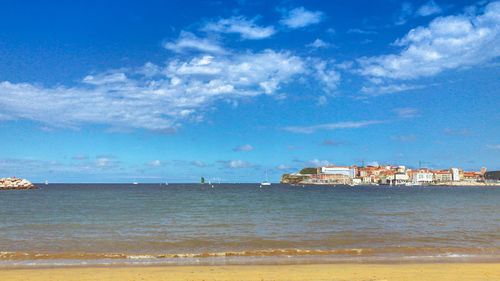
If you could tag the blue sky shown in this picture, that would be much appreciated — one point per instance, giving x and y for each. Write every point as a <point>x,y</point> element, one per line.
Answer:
<point>175,90</point>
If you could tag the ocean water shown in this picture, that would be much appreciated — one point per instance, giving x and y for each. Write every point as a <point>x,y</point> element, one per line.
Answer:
<point>85,224</point>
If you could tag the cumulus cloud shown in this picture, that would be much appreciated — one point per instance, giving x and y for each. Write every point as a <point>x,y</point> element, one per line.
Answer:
<point>360,31</point>
<point>331,126</point>
<point>105,163</point>
<point>247,29</point>
<point>234,164</point>
<point>187,41</point>
<point>318,163</point>
<point>283,167</point>
<point>245,147</point>
<point>106,156</point>
<point>156,163</point>
<point>404,13</point>
<point>447,43</point>
<point>318,43</point>
<point>429,8</point>
<point>198,163</point>
<point>379,90</point>
<point>300,17</point>
<point>326,75</point>
<point>158,99</point>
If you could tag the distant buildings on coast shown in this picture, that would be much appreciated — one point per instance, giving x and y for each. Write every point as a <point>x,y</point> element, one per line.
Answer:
<point>388,175</point>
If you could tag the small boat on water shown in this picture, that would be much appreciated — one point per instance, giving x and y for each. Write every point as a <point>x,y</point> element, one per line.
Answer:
<point>46,182</point>
<point>266,182</point>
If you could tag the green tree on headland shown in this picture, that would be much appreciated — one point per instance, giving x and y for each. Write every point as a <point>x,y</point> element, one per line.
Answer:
<point>312,171</point>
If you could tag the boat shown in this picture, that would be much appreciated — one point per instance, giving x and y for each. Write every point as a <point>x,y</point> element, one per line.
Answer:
<point>46,182</point>
<point>135,182</point>
<point>266,182</point>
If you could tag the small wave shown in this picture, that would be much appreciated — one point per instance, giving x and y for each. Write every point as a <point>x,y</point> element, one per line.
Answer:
<point>365,252</point>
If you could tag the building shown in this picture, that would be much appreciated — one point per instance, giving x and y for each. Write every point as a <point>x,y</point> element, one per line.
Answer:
<point>336,174</point>
<point>422,176</point>
<point>337,170</point>
<point>455,174</point>
<point>442,176</point>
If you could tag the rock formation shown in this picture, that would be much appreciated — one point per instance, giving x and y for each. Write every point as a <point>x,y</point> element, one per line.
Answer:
<point>15,183</point>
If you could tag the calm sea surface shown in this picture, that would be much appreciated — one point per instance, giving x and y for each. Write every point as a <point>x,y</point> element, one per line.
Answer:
<point>242,223</point>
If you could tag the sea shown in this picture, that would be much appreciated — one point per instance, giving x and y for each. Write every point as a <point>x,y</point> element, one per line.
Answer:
<point>191,224</point>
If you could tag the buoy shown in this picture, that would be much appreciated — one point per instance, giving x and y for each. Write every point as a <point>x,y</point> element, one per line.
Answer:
<point>212,186</point>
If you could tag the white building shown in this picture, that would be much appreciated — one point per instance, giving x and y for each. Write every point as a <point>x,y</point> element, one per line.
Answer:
<point>400,178</point>
<point>338,170</point>
<point>422,177</point>
<point>455,174</point>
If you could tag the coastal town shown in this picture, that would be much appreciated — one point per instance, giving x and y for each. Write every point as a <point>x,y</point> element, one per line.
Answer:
<point>391,175</point>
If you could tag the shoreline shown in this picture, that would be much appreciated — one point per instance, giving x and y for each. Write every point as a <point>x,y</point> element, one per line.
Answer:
<point>409,272</point>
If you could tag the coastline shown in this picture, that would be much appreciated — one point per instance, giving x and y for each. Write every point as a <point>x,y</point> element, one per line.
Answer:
<point>409,272</point>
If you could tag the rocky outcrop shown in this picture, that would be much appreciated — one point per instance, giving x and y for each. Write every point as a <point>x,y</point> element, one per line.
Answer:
<point>15,184</point>
<point>294,178</point>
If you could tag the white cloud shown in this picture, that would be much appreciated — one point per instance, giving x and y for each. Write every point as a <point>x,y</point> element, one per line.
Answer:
<point>158,100</point>
<point>80,157</point>
<point>234,164</point>
<point>105,78</point>
<point>300,17</point>
<point>187,41</point>
<point>156,163</point>
<point>360,31</point>
<point>283,167</point>
<point>246,28</point>
<point>332,126</point>
<point>378,90</point>
<point>409,138</point>
<point>322,100</point>
<point>404,13</point>
<point>406,112</point>
<point>489,146</point>
<point>245,147</point>
<point>447,43</point>
<point>318,163</point>
<point>429,8</point>
<point>105,163</point>
<point>108,156</point>
<point>318,43</point>
<point>326,74</point>
<point>198,163</point>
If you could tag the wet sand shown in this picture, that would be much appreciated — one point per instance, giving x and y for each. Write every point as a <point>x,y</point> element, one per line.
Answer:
<point>372,272</point>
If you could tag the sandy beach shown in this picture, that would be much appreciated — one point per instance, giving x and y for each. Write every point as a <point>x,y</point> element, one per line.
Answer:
<point>409,272</point>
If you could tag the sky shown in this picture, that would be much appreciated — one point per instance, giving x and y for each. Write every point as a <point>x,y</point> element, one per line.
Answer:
<point>155,91</point>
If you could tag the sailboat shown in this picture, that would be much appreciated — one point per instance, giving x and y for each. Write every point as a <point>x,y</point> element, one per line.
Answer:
<point>266,182</point>
<point>46,182</point>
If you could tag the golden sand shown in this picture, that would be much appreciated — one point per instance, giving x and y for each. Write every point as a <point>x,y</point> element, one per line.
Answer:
<point>372,272</point>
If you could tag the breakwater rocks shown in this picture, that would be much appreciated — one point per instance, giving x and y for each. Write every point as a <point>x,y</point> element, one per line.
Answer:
<point>15,184</point>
